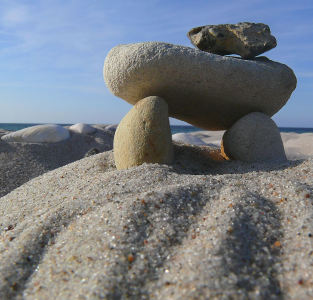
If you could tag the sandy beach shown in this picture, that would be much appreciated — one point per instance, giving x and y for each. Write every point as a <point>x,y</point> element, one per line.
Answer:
<point>156,150</point>
<point>21,162</point>
<point>198,229</point>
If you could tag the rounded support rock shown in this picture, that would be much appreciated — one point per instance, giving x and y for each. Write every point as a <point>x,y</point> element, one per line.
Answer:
<point>255,137</point>
<point>144,135</point>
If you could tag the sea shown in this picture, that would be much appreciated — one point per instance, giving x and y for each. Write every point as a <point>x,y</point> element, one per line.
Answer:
<point>174,128</point>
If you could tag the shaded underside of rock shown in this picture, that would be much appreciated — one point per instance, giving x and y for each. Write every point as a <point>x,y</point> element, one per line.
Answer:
<point>47,133</point>
<point>245,39</point>
<point>203,89</point>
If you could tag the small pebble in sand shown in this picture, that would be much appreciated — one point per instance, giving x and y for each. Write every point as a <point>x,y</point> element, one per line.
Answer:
<point>277,244</point>
<point>130,258</point>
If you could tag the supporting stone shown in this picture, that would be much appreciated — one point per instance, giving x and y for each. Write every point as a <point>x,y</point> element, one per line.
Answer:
<point>255,137</point>
<point>144,135</point>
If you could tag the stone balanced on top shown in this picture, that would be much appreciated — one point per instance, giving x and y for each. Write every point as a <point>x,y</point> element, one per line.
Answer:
<point>207,90</point>
<point>245,39</point>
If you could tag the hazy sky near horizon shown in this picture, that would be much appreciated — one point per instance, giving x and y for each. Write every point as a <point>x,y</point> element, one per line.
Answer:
<point>52,51</point>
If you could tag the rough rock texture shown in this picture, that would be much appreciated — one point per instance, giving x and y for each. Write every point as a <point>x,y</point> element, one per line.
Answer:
<point>82,128</point>
<point>246,39</point>
<point>255,137</point>
<point>194,230</point>
<point>48,133</point>
<point>203,89</point>
<point>20,162</point>
<point>144,135</point>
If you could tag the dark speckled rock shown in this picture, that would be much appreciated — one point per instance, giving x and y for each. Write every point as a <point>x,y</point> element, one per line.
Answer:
<point>245,39</point>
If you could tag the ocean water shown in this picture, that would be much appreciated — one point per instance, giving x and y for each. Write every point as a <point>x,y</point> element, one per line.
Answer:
<point>174,128</point>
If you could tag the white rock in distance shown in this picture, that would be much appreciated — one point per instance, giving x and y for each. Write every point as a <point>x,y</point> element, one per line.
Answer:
<point>48,133</point>
<point>111,127</point>
<point>206,90</point>
<point>186,138</point>
<point>82,128</point>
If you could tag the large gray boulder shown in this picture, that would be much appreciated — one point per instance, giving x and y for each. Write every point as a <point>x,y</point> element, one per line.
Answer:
<point>245,39</point>
<point>206,90</point>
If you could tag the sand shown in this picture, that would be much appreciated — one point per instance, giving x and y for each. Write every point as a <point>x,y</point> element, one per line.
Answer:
<point>200,229</point>
<point>20,162</point>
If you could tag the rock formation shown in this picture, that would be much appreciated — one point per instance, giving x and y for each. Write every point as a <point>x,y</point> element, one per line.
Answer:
<point>245,39</point>
<point>207,90</point>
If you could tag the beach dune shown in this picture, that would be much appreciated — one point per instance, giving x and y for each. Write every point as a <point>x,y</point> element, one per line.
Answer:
<point>198,229</point>
<point>20,162</point>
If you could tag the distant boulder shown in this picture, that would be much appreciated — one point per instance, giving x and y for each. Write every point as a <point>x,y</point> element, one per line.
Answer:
<point>82,128</point>
<point>111,127</point>
<point>48,133</point>
<point>187,138</point>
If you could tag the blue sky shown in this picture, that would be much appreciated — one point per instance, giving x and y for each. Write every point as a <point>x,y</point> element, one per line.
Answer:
<point>52,51</point>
